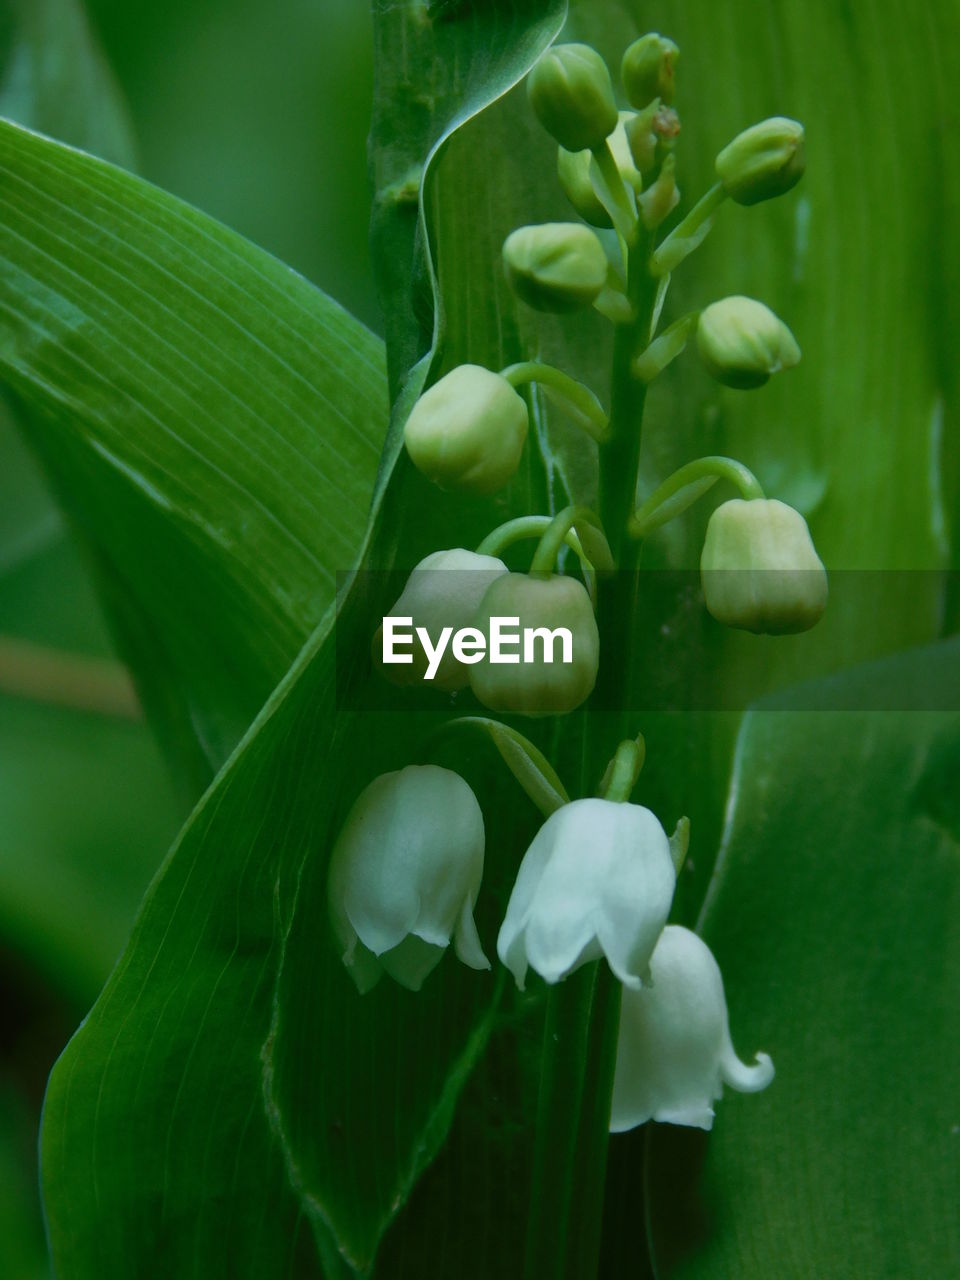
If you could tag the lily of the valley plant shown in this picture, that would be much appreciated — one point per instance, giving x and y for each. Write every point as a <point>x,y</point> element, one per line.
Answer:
<point>597,883</point>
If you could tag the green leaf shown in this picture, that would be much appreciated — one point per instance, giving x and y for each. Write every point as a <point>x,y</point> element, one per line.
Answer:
<point>177,1044</point>
<point>54,78</point>
<point>833,916</point>
<point>188,1011</point>
<point>209,419</point>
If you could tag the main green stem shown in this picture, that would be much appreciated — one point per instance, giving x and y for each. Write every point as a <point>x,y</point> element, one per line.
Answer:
<point>583,1012</point>
<point>619,466</point>
<point>620,458</point>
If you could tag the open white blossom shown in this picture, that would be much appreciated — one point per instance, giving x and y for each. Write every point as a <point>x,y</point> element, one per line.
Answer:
<point>404,876</point>
<point>674,1054</point>
<point>597,881</point>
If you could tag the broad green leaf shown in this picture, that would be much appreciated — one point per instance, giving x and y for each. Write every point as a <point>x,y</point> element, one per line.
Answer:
<point>339,1075</point>
<point>833,915</point>
<point>210,420</point>
<point>208,1185</point>
<point>54,78</point>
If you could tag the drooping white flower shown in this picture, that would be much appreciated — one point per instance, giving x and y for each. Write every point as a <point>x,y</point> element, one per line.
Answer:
<point>675,1054</point>
<point>404,876</point>
<point>597,881</point>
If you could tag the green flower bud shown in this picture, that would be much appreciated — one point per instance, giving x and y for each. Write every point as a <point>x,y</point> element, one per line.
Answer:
<point>467,432</point>
<point>760,570</point>
<point>573,170</point>
<point>648,70</point>
<point>742,342</point>
<point>572,96</point>
<point>532,686</point>
<point>444,590</point>
<point>558,266</point>
<point>651,135</point>
<point>764,161</point>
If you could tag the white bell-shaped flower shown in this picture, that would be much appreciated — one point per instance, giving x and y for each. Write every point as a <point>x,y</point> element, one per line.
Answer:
<point>597,881</point>
<point>404,876</point>
<point>674,1054</point>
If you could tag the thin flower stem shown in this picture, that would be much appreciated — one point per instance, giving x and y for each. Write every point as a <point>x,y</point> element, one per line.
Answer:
<point>558,1151</point>
<point>662,350</point>
<point>590,414</point>
<point>619,206</point>
<point>545,557</point>
<point>680,490</point>
<point>689,233</point>
<point>522,529</point>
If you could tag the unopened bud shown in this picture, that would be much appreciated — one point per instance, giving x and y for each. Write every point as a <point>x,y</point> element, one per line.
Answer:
<point>760,570</point>
<point>544,685</point>
<point>572,96</point>
<point>573,170</point>
<point>558,266</point>
<point>467,432</point>
<point>444,590</point>
<point>764,161</point>
<point>742,342</point>
<point>648,70</point>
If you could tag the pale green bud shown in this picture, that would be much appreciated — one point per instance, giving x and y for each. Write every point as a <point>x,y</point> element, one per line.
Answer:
<point>467,432</point>
<point>557,266</point>
<point>742,342</point>
<point>648,70</point>
<point>598,880</point>
<point>651,135</point>
<point>444,590</point>
<point>573,170</point>
<point>764,161</point>
<point>674,1051</point>
<point>404,876</point>
<point>572,96</point>
<point>760,570</point>
<point>539,687</point>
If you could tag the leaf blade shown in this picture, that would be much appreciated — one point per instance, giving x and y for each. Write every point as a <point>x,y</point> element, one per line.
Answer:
<point>180,378</point>
<point>843,833</point>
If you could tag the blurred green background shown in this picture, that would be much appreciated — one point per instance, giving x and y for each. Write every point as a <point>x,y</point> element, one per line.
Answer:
<point>257,114</point>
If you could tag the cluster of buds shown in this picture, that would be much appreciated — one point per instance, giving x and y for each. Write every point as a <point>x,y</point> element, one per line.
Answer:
<point>597,883</point>
<point>468,592</point>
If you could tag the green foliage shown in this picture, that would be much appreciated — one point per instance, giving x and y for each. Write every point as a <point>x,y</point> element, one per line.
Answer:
<point>229,905</point>
<point>224,416</point>
<point>832,913</point>
<point>180,387</point>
